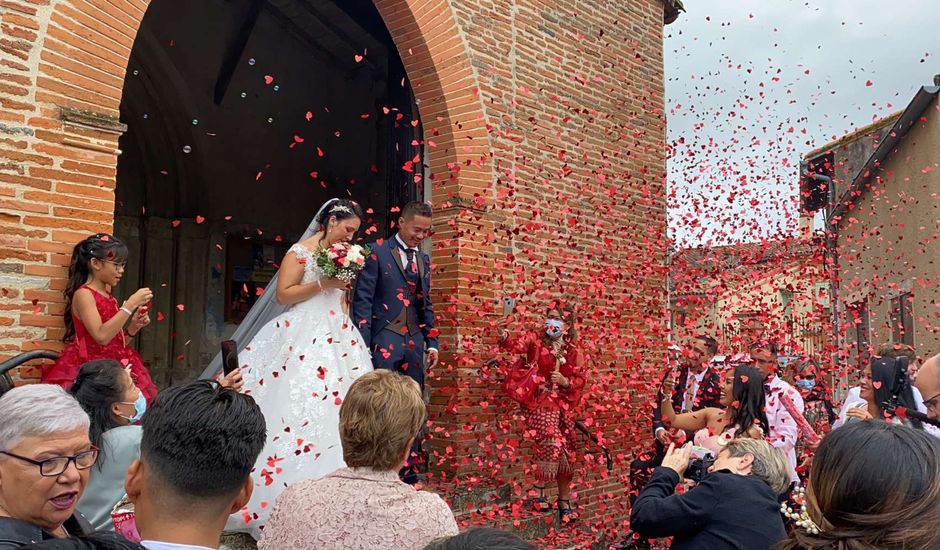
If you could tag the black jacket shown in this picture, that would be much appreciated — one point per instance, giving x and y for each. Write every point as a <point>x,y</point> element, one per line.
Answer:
<point>724,511</point>
<point>15,533</point>
<point>708,394</point>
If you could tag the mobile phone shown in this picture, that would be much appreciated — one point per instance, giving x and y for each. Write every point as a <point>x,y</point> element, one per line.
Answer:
<point>229,357</point>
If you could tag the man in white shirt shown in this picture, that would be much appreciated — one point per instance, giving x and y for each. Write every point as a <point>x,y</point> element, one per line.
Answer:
<point>783,428</point>
<point>199,444</point>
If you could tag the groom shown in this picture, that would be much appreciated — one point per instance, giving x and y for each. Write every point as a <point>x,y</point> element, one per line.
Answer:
<point>392,303</point>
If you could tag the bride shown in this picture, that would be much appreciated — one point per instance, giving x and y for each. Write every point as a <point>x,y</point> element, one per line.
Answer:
<point>302,354</point>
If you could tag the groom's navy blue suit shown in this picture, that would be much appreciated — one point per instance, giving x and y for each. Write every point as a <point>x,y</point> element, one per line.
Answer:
<point>392,308</point>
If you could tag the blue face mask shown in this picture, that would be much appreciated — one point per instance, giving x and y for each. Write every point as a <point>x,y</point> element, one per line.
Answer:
<point>806,383</point>
<point>140,407</point>
<point>553,328</point>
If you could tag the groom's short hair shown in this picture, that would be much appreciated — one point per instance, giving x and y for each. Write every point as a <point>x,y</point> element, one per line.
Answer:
<point>416,208</point>
<point>201,441</point>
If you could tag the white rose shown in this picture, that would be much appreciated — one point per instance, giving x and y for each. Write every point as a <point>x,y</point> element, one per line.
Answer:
<point>355,254</point>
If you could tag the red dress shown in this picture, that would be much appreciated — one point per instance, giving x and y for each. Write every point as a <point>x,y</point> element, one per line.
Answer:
<point>84,349</point>
<point>549,411</point>
<point>530,350</point>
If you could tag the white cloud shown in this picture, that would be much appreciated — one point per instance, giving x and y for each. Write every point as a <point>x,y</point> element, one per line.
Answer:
<point>743,141</point>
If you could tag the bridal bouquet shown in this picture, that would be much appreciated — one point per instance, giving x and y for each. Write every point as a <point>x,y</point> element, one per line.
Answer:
<point>343,260</point>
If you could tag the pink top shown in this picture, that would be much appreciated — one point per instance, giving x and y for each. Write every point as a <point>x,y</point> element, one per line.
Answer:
<point>356,508</point>
<point>713,443</point>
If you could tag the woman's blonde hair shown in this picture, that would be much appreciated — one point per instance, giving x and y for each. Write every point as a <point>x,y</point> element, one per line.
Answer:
<point>381,414</point>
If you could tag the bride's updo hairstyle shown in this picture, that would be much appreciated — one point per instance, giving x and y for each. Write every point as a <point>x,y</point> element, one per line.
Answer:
<point>873,485</point>
<point>342,209</point>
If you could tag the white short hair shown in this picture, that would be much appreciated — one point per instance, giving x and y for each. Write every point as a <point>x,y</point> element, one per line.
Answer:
<point>770,464</point>
<point>38,409</point>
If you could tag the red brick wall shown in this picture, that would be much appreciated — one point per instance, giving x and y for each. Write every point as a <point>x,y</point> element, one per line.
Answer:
<point>547,164</point>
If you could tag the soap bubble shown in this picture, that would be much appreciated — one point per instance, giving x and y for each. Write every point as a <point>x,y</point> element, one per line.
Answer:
<point>244,95</point>
<point>195,122</point>
<point>187,149</point>
<point>251,61</point>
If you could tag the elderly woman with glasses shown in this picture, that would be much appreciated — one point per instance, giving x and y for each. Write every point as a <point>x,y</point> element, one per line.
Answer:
<point>45,455</point>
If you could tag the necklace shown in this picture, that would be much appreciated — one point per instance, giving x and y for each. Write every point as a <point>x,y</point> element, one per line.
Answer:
<point>801,518</point>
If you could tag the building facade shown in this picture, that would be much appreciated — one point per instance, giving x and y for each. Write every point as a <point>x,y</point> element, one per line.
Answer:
<point>885,228</point>
<point>541,147</point>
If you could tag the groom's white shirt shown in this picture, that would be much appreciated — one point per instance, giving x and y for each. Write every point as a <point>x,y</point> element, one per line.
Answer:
<point>404,261</point>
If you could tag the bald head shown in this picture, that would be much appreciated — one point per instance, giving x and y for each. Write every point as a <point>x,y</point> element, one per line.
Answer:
<point>928,382</point>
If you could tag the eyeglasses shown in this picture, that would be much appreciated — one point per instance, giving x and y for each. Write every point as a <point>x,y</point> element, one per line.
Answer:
<point>932,403</point>
<point>56,466</point>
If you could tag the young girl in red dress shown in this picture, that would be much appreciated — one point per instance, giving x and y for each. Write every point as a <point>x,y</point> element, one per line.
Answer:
<point>547,379</point>
<point>94,322</point>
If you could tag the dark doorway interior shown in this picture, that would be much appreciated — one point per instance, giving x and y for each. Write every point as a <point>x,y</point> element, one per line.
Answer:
<point>243,117</point>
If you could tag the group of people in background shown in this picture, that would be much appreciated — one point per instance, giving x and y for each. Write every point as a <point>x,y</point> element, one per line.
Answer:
<point>752,422</point>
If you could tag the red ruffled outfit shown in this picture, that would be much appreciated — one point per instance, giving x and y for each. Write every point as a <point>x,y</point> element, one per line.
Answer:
<point>549,410</point>
<point>84,349</point>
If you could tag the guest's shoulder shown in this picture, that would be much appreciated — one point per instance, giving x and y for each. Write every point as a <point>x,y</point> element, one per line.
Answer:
<point>306,490</point>
<point>432,501</point>
<point>122,436</point>
<point>440,516</point>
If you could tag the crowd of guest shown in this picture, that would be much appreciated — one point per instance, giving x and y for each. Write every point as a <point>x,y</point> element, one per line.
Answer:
<point>184,461</point>
<point>868,477</point>
<point>184,458</point>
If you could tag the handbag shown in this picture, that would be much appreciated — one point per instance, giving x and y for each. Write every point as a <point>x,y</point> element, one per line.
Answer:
<point>522,382</point>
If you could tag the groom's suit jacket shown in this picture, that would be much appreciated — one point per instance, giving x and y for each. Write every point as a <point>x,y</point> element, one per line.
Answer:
<point>382,293</point>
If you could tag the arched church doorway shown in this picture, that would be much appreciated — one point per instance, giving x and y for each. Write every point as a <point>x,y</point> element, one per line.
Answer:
<point>243,117</point>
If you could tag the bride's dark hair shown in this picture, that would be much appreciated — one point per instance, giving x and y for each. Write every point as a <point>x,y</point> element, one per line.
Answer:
<point>341,209</point>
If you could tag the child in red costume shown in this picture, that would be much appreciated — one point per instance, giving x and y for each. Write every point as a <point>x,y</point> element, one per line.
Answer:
<point>549,377</point>
<point>94,323</point>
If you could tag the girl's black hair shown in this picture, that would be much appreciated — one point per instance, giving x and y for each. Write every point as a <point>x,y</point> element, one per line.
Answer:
<point>889,378</point>
<point>99,385</point>
<point>100,246</point>
<point>342,209</point>
<point>747,409</point>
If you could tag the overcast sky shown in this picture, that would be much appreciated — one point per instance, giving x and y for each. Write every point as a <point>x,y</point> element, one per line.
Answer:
<point>752,86</point>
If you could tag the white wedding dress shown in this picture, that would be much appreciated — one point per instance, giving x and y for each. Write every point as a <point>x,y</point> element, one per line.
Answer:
<point>298,368</point>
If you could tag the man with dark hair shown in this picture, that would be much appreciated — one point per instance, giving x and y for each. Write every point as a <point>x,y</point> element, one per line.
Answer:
<point>697,386</point>
<point>392,304</point>
<point>784,431</point>
<point>199,444</point>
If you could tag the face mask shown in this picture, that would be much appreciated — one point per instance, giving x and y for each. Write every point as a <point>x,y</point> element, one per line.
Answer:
<point>140,407</point>
<point>806,383</point>
<point>553,328</point>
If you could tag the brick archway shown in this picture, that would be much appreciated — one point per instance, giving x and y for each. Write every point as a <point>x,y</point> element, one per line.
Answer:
<point>66,63</point>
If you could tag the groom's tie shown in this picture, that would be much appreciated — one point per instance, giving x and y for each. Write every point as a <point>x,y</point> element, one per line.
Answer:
<point>410,254</point>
